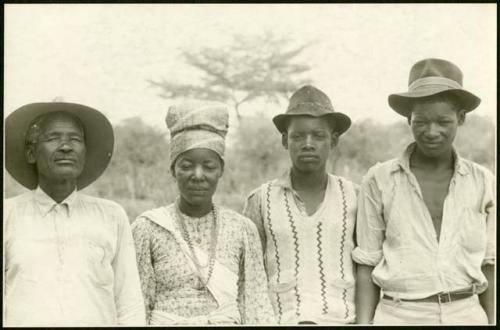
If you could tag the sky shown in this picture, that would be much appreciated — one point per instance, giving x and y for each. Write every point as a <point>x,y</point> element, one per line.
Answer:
<point>102,55</point>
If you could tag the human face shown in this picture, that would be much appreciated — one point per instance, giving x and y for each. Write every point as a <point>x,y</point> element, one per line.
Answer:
<point>197,172</point>
<point>59,151</point>
<point>434,125</point>
<point>309,141</point>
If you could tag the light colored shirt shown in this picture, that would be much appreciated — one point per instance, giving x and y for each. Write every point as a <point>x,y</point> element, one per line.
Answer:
<point>171,285</point>
<point>307,257</point>
<point>395,233</point>
<point>69,264</point>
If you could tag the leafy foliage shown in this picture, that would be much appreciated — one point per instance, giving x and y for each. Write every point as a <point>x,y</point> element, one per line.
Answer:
<point>249,68</point>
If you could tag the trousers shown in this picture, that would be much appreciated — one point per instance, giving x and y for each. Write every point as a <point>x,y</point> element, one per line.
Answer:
<point>466,311</point>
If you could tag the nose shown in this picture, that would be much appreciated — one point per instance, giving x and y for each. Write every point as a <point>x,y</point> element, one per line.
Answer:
<point>198,173</point>
<point>308,143</point>
<point>432,131</point>
<point>65,145</point>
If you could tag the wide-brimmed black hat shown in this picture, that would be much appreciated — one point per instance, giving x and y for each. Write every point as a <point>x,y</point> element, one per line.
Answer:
<point>99,141</point>
<point>430,77</point>
<point>310,101</point>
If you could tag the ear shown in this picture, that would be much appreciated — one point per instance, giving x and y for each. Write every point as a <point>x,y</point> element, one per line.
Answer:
<point>30,154</point>
<point>284,140</point>
<point>461,117</point>
<point>335,139</point>
<point>172,170</point>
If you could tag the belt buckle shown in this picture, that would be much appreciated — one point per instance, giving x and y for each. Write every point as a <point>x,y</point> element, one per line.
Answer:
<point>444,297</point>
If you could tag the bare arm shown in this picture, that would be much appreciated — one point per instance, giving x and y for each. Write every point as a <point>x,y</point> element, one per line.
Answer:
<point>487,298</point>
<point>367,295</point>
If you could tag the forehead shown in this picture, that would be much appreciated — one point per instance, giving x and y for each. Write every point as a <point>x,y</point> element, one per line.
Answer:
<point>61,121</point>
<point>199,155</point>
<point>433,108</point>
<point>302,123</point>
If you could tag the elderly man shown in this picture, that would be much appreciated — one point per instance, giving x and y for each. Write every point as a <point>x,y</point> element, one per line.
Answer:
<point>426,220</point>
<point>69,258</point>
<point>306,218</point>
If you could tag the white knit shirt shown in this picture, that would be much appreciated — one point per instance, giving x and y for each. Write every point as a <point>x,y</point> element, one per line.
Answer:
<point>308,258</point>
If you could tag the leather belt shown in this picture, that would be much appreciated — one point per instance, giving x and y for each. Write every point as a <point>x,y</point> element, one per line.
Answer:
<point>442,297</point>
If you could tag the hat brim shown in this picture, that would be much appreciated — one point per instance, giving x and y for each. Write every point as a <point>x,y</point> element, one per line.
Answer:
<point>99,141</point>
<point>401,102</point>
<point>340,121</point>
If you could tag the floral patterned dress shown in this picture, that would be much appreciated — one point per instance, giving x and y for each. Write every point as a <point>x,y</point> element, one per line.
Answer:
<point>171,285</point>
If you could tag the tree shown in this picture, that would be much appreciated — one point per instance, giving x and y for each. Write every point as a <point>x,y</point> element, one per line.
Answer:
<point>248,68</point>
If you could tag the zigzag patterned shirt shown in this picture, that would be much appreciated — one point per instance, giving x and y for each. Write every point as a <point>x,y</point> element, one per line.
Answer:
<point>307,257</point>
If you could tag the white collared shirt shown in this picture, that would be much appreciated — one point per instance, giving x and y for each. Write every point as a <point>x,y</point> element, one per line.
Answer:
<point>395,233</point>
<point>69,264</point>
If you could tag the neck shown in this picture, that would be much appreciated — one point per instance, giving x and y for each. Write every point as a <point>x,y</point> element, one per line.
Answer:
<point>195,211</point>
<point>311,181</point>
<point>58,191</point>
<point>419,159</point>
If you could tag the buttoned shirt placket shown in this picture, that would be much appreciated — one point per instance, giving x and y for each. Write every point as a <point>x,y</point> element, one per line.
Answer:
<point>60,221</point>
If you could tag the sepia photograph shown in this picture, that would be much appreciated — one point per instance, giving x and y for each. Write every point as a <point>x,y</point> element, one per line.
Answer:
<point>249,164</point>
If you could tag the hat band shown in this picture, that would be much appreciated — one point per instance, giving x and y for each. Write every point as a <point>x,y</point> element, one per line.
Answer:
<point>434,81</point>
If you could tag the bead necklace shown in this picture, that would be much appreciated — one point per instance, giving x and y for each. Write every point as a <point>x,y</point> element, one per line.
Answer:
<point>213,243</point>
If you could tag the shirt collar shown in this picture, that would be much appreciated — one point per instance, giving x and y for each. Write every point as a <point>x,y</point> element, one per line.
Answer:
<point>403,161</point>
<point>46,203</point>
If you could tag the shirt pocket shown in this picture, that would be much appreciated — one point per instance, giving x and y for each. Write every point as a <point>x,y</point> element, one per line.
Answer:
<point>473,230</point>
<point>99,263</point>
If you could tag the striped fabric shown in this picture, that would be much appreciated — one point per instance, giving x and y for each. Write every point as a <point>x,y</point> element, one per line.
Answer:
<point>308,260</point>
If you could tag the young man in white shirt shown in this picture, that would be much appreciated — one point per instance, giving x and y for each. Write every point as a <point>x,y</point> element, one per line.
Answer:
<point>426,220</point>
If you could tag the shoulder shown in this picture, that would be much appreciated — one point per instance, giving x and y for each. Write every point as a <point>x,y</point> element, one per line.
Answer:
<point>380,170</point>
<point>263,187</point>
<point>109,207</point>
<point>348,184</point>
<point>479,173</point>
<point>147,218</point>
<point>18,201</point>
<point>235,219</point>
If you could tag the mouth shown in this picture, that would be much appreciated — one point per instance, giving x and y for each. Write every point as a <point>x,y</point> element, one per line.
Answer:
<point>308,158</point>
<point>432,145</point>
<point>65,161</point>
<point>198,190</point>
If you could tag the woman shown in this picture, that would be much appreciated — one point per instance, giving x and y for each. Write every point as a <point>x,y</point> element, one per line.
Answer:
<point>200,263</point>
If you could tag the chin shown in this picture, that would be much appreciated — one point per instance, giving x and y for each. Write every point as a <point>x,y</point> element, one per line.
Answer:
<point>197,200</point>
<point>310,167</point>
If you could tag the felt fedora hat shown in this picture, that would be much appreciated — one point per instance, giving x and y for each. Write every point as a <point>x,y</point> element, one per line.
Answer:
<point>99,141</point>
<point>310,101</point>
<point>430,77</point>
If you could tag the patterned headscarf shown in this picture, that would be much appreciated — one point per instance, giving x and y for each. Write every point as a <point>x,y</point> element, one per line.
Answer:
<point>197,125</point>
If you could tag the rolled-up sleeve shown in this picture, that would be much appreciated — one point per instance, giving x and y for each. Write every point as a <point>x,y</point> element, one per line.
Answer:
<point>127,288</point>
<point>370,224</point>
<point>490,210</point>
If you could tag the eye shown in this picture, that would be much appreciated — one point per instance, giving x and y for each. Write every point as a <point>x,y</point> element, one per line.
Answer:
<point>320,135</point>
<point>211,166</point>
<point>76,139</point>
<point>184,166</point>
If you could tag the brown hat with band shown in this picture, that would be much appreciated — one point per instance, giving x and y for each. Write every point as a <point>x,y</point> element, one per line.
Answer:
<point>430,77</point>
<point>310,101</point>
<point>98,133</point>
